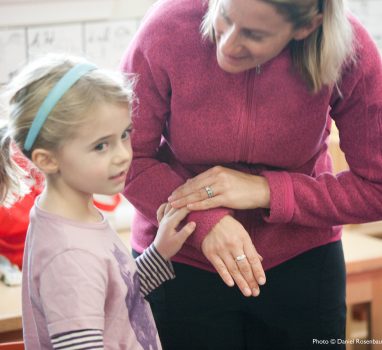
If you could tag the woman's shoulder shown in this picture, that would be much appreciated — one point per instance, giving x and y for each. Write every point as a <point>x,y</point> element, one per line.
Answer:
<point>363,42</point>
<point>170,20</point>
<point>168,11</point>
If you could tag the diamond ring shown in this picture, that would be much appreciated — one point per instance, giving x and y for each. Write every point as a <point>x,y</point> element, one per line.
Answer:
<point>209,190</point>
<point>241,257</point>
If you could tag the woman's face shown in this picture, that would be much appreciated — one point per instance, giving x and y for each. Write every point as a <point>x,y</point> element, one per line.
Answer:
<point>249,33</point>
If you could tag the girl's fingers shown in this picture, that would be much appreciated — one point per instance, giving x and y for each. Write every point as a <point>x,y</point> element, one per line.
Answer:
<point>168,207</point>
<point>161,212</point>
<point>177,215</point>
<point>186,232</point>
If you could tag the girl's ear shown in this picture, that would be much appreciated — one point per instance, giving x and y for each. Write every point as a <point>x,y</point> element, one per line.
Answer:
<point>304,32</point>
<point>45,160</point>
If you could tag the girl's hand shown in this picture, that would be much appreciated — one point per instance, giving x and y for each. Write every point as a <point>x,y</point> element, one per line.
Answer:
<point>227,241</point>
<point>222,187</point>
<point>168,240</point>
<point>162,211</point>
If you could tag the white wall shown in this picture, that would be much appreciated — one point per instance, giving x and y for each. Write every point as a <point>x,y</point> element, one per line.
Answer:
<point>99,29</point>
<point>370,14</point>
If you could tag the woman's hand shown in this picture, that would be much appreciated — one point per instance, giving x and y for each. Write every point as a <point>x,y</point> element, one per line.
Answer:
<point>168,240</point>
<point>227,241</point>
<point>222,187</point>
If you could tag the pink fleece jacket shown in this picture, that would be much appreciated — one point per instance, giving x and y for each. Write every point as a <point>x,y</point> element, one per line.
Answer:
<point>192,116</point>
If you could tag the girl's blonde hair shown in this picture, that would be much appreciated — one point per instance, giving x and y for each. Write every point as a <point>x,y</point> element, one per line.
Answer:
<point>320,57</point>
<point>26,93</point>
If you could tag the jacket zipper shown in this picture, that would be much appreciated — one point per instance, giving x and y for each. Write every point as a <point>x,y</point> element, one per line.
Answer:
<point>249,114</point>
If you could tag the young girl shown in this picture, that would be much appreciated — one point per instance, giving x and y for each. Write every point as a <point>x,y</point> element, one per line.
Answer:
<point>81,288</point>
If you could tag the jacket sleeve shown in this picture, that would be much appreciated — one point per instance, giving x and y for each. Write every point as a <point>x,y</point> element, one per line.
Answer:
<point>353,196</point>
<point>150,180</point>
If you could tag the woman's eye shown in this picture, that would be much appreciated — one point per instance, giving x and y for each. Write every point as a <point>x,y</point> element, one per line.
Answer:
<point>253,36</point>
<point>223,14</point>
<point>100,147</point>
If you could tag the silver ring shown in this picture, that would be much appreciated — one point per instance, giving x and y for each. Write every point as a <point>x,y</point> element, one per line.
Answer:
<point>241,257</point>
<point>209,190</point>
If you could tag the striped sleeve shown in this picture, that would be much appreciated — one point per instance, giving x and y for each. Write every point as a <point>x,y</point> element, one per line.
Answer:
<point>153,270</point>
<point>78,340</point>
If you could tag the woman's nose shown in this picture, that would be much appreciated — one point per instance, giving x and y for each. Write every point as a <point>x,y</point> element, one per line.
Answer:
<point>230,42</point>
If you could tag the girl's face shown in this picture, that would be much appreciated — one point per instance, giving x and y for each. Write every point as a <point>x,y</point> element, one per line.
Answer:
<point>98,158</point>
<point>249,33</point>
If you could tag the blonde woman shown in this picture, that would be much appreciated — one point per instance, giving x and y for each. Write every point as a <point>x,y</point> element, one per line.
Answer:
<point>236,100</point>
<point>81,288</point>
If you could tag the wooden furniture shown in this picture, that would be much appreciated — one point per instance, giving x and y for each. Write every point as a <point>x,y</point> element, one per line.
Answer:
<point>12,346</point>
<point>10,313</point>
<point>363,256</point>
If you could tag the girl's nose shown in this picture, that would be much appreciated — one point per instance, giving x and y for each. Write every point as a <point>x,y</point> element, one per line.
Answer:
<point>123,153</point>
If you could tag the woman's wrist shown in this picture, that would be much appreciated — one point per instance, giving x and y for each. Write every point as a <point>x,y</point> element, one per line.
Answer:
<point>261,192</point>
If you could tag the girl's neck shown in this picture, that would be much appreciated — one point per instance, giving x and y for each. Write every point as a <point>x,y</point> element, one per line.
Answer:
<point>69,204</point>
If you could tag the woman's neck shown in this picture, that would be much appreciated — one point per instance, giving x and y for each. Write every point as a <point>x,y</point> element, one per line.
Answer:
<point>69,204</point>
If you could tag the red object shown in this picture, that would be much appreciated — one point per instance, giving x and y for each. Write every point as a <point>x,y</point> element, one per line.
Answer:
<point>14,221</point>
<point>13,228</point>
<point>116,199</point>
<point>12,346</point>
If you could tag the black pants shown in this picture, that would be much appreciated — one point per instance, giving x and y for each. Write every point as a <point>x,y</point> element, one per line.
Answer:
<point>302,306</point>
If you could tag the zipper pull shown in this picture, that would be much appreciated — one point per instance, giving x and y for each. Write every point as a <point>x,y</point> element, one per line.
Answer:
<point>258,69</point>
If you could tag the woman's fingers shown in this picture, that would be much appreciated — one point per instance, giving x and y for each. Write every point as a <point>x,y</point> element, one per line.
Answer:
<point>194,193</point>
<point>245,268</point>
<point>254,262</point>
<point>195,184</point>
<point>230,249</point>
<point>237,275</point>
<point>221,270</point>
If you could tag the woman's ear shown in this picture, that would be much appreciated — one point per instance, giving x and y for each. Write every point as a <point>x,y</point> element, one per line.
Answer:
<point>45,160</point>
<point>305,31</point>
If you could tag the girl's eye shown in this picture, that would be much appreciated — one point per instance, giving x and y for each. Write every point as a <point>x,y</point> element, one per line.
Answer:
<point>126,134</point>
<point>100,147</point>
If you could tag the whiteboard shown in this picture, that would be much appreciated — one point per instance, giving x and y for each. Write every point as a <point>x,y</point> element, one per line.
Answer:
<point>13,52</point>
<point>105,42</point>
<point>59,39</point>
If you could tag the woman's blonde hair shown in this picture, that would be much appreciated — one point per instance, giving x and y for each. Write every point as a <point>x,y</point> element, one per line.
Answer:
<point>320,57</point>
<point>25,94</point>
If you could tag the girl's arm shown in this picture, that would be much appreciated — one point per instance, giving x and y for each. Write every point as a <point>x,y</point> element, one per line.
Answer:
<point>71,340</point>
<point>154,266</point>
<point>153,270</point>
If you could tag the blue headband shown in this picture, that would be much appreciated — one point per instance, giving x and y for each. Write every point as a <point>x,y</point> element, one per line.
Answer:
<point>63,85</point>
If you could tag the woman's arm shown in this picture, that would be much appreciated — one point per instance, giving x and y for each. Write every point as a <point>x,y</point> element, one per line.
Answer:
<point>323,200</point>
<point>150,180</point>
